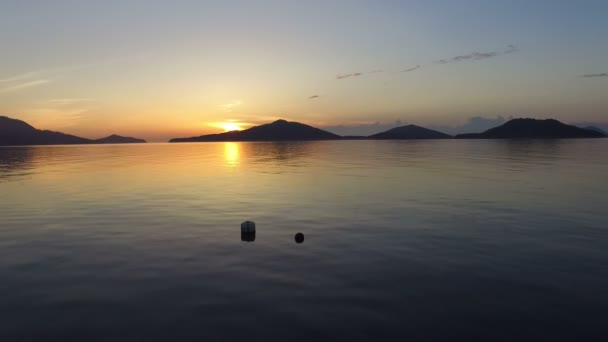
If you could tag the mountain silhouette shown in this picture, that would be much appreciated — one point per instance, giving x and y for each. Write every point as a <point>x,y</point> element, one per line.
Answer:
<point>279,130</point>
<point>117,139</point>
<point>410,132</point>
<point>533,129</point>
<point>16,132</point>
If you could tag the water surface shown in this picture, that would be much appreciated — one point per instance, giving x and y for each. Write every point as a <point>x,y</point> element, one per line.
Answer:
<point>405,240</point>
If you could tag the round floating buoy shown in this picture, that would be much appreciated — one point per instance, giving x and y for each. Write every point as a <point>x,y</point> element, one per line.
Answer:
<point>248,227</point>
<point>299,238</point>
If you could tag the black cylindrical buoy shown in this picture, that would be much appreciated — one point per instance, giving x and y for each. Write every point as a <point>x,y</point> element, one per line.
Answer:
<point>248,231</point>
<point>248,227</point>
<point>299,238</point>
<point>248,237</point>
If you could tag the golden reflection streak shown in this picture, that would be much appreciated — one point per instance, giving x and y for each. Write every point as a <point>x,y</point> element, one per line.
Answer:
<point>231,153</point>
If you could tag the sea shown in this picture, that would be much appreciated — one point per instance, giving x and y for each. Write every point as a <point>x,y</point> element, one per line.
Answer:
<point>437,240</point>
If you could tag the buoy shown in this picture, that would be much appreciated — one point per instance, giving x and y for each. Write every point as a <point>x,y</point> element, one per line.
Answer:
<point>248,237</point>
<point>299,238</point>
<point>248,227</point>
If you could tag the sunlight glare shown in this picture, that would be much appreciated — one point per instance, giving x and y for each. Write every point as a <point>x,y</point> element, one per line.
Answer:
<point>230,126</point>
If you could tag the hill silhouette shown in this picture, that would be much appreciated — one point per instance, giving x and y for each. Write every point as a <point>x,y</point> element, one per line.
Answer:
<point>280,130</point>
<point>16,132</point>
<point>117,139</point>
<point>533,129</point>
<point>410,132</point>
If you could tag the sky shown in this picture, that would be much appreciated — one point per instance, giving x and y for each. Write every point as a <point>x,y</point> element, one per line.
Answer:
<point>164,69</point>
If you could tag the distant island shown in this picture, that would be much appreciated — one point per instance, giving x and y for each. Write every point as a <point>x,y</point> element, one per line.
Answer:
<point>117,139</point>
<point>596,129</point>
<point>534,129</point>
<point>16,132</point>
<point>410,132</point>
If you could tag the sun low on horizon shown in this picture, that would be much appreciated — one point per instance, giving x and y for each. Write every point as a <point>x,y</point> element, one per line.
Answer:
<point>229,126</point>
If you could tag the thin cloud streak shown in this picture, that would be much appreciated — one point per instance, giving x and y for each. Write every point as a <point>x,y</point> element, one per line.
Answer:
<point>24,86</point>
<point>604,74</point>
<point>511,49</point>
<point>473,56</point>
<point>69,101</point>
<point>476,56</point>
<point>20,77</point>
<point>46,73</point>
<point>228,107</point>
<point>313,97</point>
<point>412,69</point>
<point>343,76</point>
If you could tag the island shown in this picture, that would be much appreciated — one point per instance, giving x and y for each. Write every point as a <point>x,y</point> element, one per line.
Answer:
<point>410,132</point>
<point>15,132</point>
<point>595,129</point>
<point>533,129</point>
<point>117,139</point>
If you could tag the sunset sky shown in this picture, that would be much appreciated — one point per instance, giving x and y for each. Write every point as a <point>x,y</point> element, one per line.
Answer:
<point>163,69</point>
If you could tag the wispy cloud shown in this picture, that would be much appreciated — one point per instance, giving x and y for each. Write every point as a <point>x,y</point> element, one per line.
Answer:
<point>313,97</point>
<point>38,73</point>
<point>229,107</point>
<point>604,74</point>
<point>25,85</point>
<point>19,77</point>
<point>473,56</point>
<point>510,49</point>
<point>412,69</point>
<point>69,101</point>
<point>57,118</point>
<point>41,76</point>
<point>22,81</point>
<point>476,56</point>
<point>343,76</point>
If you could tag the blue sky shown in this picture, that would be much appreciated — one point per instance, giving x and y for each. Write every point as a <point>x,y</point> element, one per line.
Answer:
<point>160,69</point>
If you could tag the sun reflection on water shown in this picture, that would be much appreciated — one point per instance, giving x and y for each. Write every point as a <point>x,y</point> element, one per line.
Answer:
<point>231,153</point>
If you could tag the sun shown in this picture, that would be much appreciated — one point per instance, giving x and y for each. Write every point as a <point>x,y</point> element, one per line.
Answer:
<point>230,126</point>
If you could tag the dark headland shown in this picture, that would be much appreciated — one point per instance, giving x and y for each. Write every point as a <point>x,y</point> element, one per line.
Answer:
<point>533,129</point>
<point>16,132</point>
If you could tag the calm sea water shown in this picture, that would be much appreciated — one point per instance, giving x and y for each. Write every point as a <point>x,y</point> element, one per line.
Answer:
<point>404,240</point>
